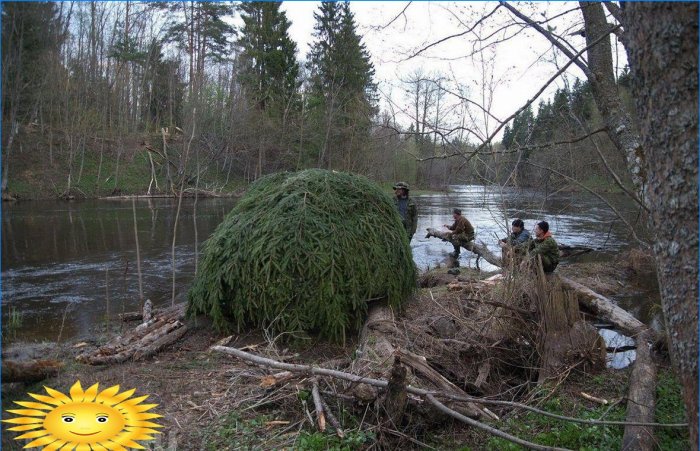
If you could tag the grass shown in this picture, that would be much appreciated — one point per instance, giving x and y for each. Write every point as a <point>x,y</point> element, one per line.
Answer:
<point>584,437</point>
<point>32,176</point>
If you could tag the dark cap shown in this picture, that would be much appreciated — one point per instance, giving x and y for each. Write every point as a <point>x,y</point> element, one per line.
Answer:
<point>457,211</point>
<point>401,185</point>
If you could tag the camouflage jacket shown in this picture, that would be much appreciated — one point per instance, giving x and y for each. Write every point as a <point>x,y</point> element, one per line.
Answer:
<point>547,249</point>
<point>462,229</point>
<point>410,219</point>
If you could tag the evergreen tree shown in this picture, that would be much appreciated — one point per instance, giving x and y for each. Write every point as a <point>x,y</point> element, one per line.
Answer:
<point>342,92</point>
<point>268,57</point>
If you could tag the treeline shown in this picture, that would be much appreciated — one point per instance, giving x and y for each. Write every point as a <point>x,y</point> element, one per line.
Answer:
<point>562,145</point>
<point>110,97</point>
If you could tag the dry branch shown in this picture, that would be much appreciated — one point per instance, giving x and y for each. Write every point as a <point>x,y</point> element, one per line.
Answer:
<point>493,431</point>
<point>320,417</point>
<point>361,380</point>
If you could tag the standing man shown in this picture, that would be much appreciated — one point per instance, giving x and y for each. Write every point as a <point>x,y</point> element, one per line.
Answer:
<point>462,232</point>
<point>407,208</point>
<point>544,246</point>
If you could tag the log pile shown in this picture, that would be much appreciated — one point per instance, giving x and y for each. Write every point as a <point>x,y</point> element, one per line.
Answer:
<point>145,340</point>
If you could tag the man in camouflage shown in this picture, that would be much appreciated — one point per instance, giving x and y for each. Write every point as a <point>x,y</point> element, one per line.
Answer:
<point>406,207</point>
<point>544,246</point>
<point>462,232</point>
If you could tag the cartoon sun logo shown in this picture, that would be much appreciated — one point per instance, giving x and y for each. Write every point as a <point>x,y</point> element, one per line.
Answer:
<point>87,420</point>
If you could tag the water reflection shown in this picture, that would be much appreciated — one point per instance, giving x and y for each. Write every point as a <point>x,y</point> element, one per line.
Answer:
<point>77,260</point>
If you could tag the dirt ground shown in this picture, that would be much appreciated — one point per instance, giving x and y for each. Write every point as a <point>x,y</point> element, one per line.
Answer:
<point>212,401</point>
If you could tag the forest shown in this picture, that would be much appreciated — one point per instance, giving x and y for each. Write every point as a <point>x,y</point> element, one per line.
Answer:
<point>143,97</point>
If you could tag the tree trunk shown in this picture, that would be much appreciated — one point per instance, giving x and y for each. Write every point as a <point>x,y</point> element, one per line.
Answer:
<point>29,371</point>
<point>606,95</point>
<point>662,44</point>
<point>479,249</point>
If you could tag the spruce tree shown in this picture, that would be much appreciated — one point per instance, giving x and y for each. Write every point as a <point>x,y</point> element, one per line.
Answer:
<point>342,98</point>
<point>268,56</point>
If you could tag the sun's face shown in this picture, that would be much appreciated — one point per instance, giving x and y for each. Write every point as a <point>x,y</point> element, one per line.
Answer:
<point>85,420</point>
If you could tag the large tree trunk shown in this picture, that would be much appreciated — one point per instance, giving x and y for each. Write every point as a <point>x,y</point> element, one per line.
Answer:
<point>662,44</point>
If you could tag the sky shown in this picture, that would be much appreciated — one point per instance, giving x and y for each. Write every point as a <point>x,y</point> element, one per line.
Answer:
<point>513,70</point>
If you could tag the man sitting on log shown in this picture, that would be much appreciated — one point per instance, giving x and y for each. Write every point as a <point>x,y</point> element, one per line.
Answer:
<point>544,246</point>
<point>515,244</point>
<point>462,232</point>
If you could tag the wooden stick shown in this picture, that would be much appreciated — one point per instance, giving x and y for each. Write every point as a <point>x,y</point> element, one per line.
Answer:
<point>602,401</point>
<point>493,431</point>
<point>307,369</point>
<point>331,418</point>
<point>320,417</point>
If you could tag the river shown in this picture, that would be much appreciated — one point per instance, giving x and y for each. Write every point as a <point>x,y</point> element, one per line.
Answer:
<point>68,266</point>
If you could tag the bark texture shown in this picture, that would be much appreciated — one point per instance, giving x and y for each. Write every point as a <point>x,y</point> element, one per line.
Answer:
<point>662,45</point>
<point>604,88</point>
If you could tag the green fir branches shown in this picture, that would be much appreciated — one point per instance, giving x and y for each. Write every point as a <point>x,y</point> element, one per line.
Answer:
<point>304,251</point>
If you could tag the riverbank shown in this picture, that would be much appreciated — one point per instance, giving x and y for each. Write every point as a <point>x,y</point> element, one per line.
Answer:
<point>211,401</point>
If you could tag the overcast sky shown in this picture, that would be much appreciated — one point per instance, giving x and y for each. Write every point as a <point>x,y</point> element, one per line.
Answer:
<point>518,66</point>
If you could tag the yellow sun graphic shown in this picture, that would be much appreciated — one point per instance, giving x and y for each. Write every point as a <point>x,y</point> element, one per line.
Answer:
<point>85,421</point>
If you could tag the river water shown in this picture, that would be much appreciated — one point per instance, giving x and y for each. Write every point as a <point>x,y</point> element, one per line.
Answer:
<point>67,266</point>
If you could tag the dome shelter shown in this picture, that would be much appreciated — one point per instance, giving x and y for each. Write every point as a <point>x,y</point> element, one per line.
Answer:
<point>304,251</point>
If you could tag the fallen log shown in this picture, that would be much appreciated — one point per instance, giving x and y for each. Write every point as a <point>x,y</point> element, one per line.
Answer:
<point>30,370</point>
<point>641,398</point>
<point>642,388</point>
<point>479,249</point>
<point>606,309</point>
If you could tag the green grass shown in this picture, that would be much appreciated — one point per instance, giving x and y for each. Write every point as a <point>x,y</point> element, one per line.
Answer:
<point>550,432</point>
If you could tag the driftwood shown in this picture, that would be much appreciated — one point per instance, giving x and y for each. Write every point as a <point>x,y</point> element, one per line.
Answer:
<point>30,370</point>
<point>479,249</point>
<point>145,340</point>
